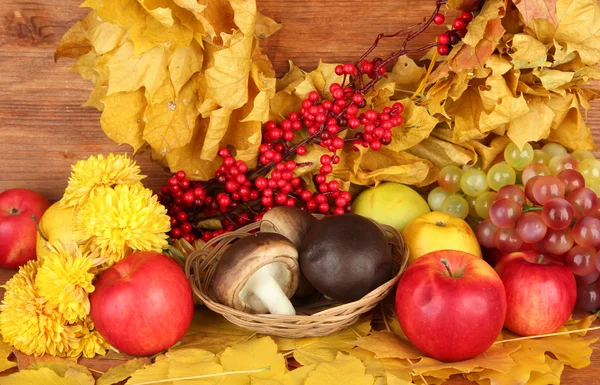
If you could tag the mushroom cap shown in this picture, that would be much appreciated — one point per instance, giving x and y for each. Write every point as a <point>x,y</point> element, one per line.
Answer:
<point>291,222</point>
<point>346,256</point>
<point>244,258</point>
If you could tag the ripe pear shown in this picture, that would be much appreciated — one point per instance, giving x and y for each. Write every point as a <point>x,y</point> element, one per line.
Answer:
<point>55,225</point>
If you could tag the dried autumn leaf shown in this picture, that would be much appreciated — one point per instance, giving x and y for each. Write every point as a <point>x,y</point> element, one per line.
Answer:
<point>527,51</point>
<point>387,345</point>
<point>170,121</point>
<point>5,352</point>
<point>129,72</point>
<point>212,332</point>
<point>228,72</point>
<point>163,15</point>
<point>123,118</point>
<point>298,376</point>
<point>178,364</point>
<point>254,354</point>
<point>47,376</point>
<point>492,10</point>
<point>417,126</point>
<point>265,26</point>
<point>343,370</point>
<point>573,132</point>
<point>537,9</point>
<point>535,125</point>
<point>316,350</point>
<point>123,371</point>
<point>578,29</point>
<point>56,364</point>
<point>185,62</point>
<point>74,42</point>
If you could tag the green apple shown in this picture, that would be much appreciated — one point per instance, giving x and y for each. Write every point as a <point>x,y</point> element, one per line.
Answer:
<point>393,204</point>
<point>55,225</point>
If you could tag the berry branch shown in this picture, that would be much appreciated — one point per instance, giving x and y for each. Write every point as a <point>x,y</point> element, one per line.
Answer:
<point>237,196</point>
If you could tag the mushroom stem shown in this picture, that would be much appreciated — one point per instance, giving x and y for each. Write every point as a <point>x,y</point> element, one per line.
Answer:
<point>267,290</point>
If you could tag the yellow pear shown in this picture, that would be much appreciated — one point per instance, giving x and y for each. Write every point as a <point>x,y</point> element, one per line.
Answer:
<point>55,225</point>
<point>439,231</point>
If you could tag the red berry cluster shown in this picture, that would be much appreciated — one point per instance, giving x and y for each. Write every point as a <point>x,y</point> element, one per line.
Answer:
<point>459,29</point>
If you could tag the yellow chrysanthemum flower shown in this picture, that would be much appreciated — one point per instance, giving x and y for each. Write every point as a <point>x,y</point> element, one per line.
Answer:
<point>90,341</point>
<point>29,322</point>
<point>122,220</point>
<point>65,280</point>
<point>87,176</point>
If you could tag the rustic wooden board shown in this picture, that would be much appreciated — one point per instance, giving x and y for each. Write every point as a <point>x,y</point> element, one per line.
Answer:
<point>43,129</point>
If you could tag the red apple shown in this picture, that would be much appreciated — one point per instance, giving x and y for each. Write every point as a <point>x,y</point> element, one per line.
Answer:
<point>451,305</point>
<point>540,292</point>
<point>143,304</point>
<point>18,231</point>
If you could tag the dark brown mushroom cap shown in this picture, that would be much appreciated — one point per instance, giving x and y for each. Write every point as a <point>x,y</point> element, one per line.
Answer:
<point>346,256</point>
<point>291,222</point>
<point>244,258</point>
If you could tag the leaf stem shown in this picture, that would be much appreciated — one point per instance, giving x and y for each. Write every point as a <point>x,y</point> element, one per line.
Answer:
<point>266,368</point>
<point>547,335</point>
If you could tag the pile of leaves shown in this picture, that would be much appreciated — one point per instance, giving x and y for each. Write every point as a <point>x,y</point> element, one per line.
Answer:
<point>181,77</point>
<point>218,352</point>
<point>186,78</point>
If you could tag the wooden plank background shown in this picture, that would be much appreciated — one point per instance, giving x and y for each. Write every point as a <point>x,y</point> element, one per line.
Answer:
<point>43,129</point>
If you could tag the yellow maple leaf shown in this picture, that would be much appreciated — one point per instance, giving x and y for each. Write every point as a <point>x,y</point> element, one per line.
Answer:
<point>316,350</point>
<point>122,372</point>
<point>265,26</point>
<point>185,62</point>
<point>161,12</point>
<point>5,352</point>
<point>254,354</point>
<point>129,72</point>
<point>579,29</point>
<point>343,370</point>
<point>47,376</point>
<point>527,51</point>
<point>104,36</point>
<point>535,125</point>
<point>74,42</point>
<point>298,376</point>
<point>387,345</point>
<point>492,9</point>
<point>537,9</point>
<point>179,364</point>
<point>417,126</point>
<point>228,72</point>
<point>122,118</point>
<point>170,121</point>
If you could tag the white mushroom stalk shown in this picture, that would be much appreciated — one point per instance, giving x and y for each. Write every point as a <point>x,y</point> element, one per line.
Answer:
<point>263,290</point>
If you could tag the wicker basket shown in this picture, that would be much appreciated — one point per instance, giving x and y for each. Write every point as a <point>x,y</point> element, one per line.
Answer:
<point>318,319</point>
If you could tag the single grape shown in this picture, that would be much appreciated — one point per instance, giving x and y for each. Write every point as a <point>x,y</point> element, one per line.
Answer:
<point>554,149</point>
<point>540,156</point>
<point>593,184</point>
<point>449,178</point>
<point>548,187</point>
<point>485,233</point>
<point>511,192</point>
<point>483,203</point>
<point>472,211</point>
<point>584,202</point>
<point>529,189</point>
<point>474,182</point>
<point>534,169</point>
<point>557,213</point>
<point>581,155</point>
<point>581,260</point>
<point>516,158</point>
<point>558,242</point>
<point>562,162</point>
<point>588,297</point>
<point>531,228</point>
<point>505,212</point>
<point>572,180</point>
<point>436,198</point>
<point>588,278</point>
<point>507,240</point>
<point>586,232</point>
<point>500,175</point>
<point>456,206</point>
<point>590,168</point>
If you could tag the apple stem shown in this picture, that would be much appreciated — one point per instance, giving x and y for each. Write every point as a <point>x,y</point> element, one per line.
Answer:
<point>37,225</point>
<point>446,265</point>
<point>540,259</point>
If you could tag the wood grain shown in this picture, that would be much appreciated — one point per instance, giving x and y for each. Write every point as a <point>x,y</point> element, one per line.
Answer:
<point>43,129</point>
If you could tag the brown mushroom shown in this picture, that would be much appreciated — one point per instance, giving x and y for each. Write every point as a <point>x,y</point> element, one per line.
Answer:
<point>258,274</point>
<point>291,222</point>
